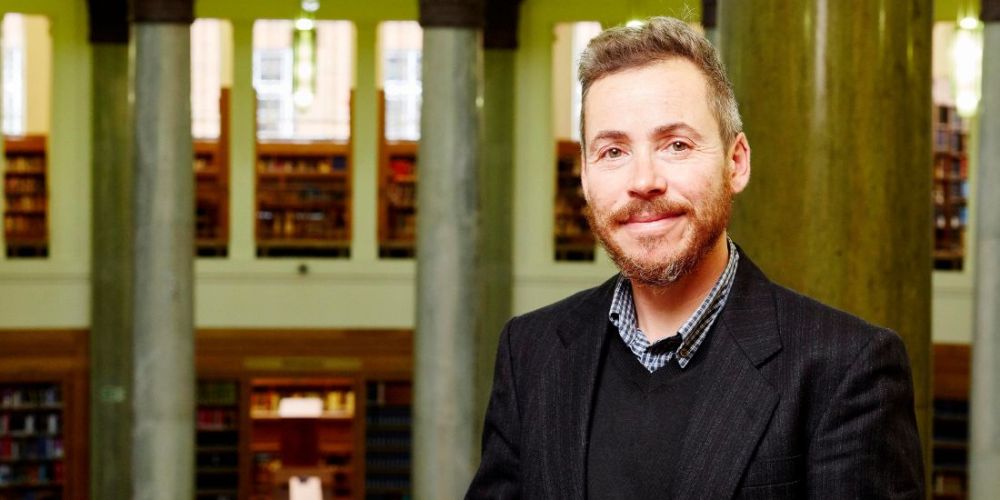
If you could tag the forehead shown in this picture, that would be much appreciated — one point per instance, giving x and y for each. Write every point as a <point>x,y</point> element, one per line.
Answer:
<point>674,89</point>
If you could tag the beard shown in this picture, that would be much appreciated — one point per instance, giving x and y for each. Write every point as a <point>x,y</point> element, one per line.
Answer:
<point>706,222</point>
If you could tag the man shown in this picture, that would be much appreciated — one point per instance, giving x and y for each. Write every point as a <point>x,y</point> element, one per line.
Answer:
<point>689,375</point>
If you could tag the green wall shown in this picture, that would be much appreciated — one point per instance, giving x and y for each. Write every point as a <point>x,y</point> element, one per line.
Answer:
<point>363,291</point>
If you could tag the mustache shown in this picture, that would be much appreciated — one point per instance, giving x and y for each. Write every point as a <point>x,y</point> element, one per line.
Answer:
<point>640,207</point>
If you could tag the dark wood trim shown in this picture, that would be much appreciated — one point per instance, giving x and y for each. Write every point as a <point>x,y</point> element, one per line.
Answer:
<point>990,11</point>
<point>163,11</point>
<point>451,13</point>
<point>501,24</point>
<point>108,21</point>
<point>952,367</point>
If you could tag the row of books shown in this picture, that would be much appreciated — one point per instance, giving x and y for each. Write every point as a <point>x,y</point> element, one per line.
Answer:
<point>216,418</point>
<point>403,226</point>
<point>956,168</point>
<point>949,140</point>
<point>24,185</point>
<point>402,168</point>
<point>298,165</point>
<point>401,195</point>
<point>217,393</point>
<point>301,225</point>
<point>23,227</point>
<point>956,221</point>
<point>31,449</point>
<point>26,163</point>
<point>46,395</point>
<point>308,193</point>
<point>954,191</point>
<point>26,202</point>
<point>11,474</point>
<point>29,423</point>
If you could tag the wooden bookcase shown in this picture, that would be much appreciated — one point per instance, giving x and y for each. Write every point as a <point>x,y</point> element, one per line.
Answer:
<point>332,435</point>
<point>211,171</point>
<point>341,367</point>
<point>43,414</point>
<point>303,199</point>
<point>397,188</point>
<point>217,441</point>
<point>32,451</point>
<point>388,439</point>
<point>572,237</point>
<point>950,444</point>
<point>950,190</point>
<point>25,218</point>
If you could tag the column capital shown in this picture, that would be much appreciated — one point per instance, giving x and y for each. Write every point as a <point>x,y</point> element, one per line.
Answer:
<point>501,22</point>
<point>451,13</point>
<point>163,11</point>
<point>108,21</point>
<point>709,14</point>
<point>990,11</point>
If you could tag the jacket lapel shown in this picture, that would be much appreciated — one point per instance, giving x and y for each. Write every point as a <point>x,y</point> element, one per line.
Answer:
<point>574,373</point>
<point>736,402</point>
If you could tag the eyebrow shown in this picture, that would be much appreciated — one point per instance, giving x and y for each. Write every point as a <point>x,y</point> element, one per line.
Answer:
<point>674,128</point>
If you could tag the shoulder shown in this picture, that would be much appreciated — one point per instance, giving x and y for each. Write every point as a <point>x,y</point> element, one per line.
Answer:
<point>820,333</point>
<point>563,319</point>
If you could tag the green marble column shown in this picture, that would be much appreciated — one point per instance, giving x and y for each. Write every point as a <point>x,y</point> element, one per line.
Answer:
<point>111,254</point>
<point>497,178</point>
<point>495,193</point>
<point>836,103</point>
<point>163,398</point>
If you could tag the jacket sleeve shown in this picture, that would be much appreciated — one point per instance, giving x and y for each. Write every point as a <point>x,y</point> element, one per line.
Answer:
<point>866,444</point>
<point>499,471</point>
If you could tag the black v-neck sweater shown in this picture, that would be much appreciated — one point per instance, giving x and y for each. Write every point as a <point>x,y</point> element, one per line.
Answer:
<point>639,422</point>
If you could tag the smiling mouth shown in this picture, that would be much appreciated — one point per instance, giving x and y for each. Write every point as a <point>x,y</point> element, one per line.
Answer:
<point>650,218</point>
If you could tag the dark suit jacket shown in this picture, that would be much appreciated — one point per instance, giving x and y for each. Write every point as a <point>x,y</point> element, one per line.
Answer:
<point>802,401</point>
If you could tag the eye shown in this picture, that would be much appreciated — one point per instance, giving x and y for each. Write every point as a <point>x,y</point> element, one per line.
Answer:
<point>614,153</point>
<point>678,146</point>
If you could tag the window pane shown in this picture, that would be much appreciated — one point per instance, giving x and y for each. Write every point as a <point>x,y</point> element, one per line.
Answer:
<point>326,113</point>
<point>401,44</point>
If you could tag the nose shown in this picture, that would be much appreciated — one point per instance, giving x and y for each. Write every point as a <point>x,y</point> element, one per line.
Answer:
<point>647,181</point>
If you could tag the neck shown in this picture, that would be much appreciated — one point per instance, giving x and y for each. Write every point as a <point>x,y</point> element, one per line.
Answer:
<point>661,311</point>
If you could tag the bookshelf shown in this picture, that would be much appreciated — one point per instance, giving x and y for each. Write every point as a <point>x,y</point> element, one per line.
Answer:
<point>217,441</point>
<point>950,192</point>
<point>32,450</point>
<point>572,237</point>
<point>388,439</point>
<point>25,218</point>
<point>211,172</point>
<point>303,199</point>
<point>333,432</point>
<point>397,187</point>
<point>950,442</point>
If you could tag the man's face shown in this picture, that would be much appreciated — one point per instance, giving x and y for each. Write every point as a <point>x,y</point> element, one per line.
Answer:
<point>657,177</point>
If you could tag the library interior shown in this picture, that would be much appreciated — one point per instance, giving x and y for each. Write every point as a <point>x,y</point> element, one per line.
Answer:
<point>158,324</point>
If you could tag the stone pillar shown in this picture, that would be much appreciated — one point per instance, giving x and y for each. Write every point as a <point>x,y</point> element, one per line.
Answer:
<point>447,220</point>
<point>838,205</point>
<point>111,253</point>
<point>163,397</point>
<point>496,192</point>
<point>984,439</point>
<point>709,20</point>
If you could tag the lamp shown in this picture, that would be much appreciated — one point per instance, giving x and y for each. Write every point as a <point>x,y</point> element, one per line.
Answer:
<point>967,57</point>
<point>304,55</point>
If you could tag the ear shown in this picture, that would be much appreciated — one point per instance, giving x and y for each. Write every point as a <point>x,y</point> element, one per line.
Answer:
<point>738,160</point>
<point>583,175</point>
